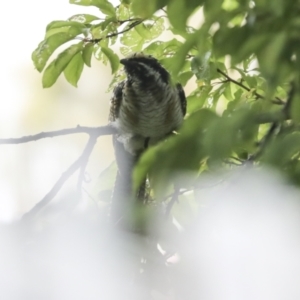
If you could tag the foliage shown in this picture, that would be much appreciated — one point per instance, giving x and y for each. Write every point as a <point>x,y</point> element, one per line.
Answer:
<point>243,62</point>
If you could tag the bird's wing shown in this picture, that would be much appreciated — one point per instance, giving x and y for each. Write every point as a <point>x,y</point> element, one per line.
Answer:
<point>182,98</point>
<point>115,101</point>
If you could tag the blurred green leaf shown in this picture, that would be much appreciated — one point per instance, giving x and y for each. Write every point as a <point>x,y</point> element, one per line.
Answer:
<point>44,50</point>
<point>282,149</point>
<point>179,11</point>
<point>181,55</point>
<point>162,160</point>
<point>123,11</point>
<point>54,31</point>
<point>200,66</point>
<point>83,18</point>
<point>150,30</point>
<point>164,50</point>
<point>74,69</point>
<point>58,24</point>
<point>227,91</point>
<point>196,99</point>
<point>230,40</point>
<point>146,9</point>
<point>57,66</point>
<point>113,58</point>
<point>87,53</point>
<point>184,77</point>
<point>269,56</point>
<point>105,6</point>
<point>105,29</point>
<point>131,38</point>
<point>295,108</point>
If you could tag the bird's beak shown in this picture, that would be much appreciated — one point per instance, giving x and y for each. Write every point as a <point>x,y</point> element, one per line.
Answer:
<point>124,61</point>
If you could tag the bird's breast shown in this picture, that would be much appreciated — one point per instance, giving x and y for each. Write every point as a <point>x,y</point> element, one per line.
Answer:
<point>150,112</point>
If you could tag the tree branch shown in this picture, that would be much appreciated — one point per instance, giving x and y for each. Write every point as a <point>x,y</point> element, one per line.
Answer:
<point>285,112</point>
<point>275,101</point>
<point>98,131</point>
<point>82,160</point>
<point>132,25</point>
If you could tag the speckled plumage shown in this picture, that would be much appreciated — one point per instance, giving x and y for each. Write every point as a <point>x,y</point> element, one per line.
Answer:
<point>145,108</point>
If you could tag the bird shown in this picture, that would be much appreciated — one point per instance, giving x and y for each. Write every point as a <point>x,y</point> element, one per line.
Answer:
<point>145,108</point>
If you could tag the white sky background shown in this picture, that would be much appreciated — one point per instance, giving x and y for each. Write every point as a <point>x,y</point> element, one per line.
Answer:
<point>28,171</point>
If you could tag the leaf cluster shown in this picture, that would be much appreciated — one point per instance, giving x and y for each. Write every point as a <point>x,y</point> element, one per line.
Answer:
<point>243,63</point>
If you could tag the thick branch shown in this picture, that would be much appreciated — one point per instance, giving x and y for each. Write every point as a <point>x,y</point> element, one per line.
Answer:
<point>97,131</point>
<point>64,177</point>
<point>275,101</point>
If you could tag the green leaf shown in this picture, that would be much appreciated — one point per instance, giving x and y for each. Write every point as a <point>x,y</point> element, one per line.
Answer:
<point>83,18</point>
<point>180,56</point>
<point>250,46</point>
<point>44,50</point>
<point>105,6</point>
<point>146,9</point>
<point>149,30</point>
<point>230,41</point>
<point>58,24</point>
<point>87,53</point>
<point>295,108</point>
<point>54,31</point>
<point>226,134</point>
<point>74,69</point>
<point>196,99</point>
<point>131,38</point>
<point>184,77</point>
<point>227,91</point>
<point>57,66</point>
<point>135,48</point>
<point>162,161</point>
<point>282,149</point>
<point>200,66</point>
<point>112,58</point>
<point>123,12</point>
<point>270,55</point>
<point>162,50</point>
<point>179,11</point>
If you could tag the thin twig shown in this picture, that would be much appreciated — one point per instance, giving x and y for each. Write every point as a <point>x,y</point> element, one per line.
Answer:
<point>132,25</point>
<point>128,20</point>
<point>275,101</point>
<point>63,178</point>
<point>265,140</point>
<point>98,131</point>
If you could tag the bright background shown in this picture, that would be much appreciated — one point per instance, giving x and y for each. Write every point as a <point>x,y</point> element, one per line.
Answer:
<point>28,171</point>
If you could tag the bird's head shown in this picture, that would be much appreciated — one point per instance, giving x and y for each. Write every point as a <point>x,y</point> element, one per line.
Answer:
<point>144,67</point>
